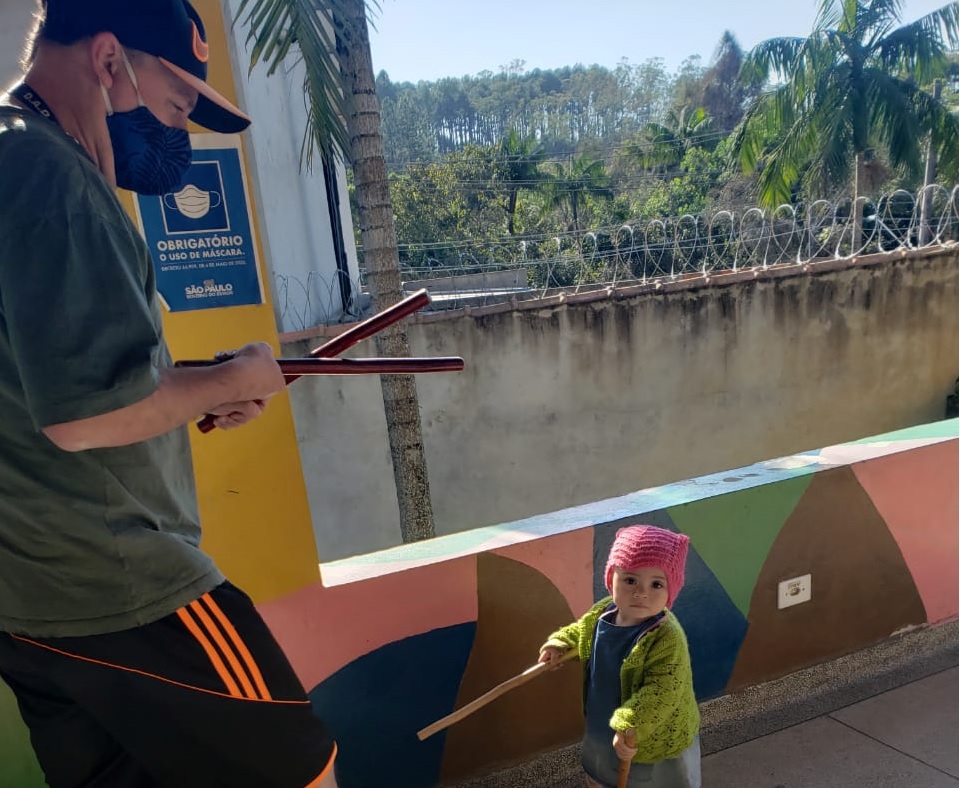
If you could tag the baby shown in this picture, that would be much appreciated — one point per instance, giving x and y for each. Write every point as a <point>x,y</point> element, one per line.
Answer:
<point>638,684</point>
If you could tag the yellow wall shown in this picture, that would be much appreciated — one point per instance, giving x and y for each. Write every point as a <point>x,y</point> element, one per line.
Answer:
<point>253,502</point>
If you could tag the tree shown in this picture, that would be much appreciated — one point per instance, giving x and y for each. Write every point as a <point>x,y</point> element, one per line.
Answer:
<point>406,128</point>
<point>520,159</point>
<point>686,87</point>
<point>574,185</point>
<point>665,144</point>
<point>695,191</point>
<point>331,38</point>
<point>851,86</point>
<point>455,198</point>
<point>723,94</point>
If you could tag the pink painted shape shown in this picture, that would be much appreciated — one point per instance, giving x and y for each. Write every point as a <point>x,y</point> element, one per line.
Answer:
<point>564,559</point>
<point>916,494</point>
<point>323,629</point>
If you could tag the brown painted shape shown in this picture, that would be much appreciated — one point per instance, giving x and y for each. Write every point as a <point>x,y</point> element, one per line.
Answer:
<point>517,609</point>
<point>862,590</point>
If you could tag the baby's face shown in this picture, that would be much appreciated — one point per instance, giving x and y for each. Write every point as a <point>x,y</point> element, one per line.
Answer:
<point>639,594</point>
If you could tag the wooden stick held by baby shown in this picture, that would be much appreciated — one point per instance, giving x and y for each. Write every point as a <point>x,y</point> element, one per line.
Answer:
<point>520,679</point>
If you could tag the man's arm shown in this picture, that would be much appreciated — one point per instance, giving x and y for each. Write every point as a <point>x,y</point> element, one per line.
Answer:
<point>235,391</point>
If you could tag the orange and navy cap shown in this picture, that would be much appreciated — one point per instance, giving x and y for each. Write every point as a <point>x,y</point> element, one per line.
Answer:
<point>169,29</point>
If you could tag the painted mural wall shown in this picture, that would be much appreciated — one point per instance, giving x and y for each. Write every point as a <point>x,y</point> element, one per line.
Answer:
<point>640,389</point>
<point>395,640</point>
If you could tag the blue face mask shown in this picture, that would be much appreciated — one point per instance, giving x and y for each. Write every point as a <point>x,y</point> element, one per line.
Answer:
<point>149,157</point>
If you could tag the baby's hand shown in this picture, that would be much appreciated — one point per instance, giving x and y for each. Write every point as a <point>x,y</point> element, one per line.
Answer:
<point>624,744</point>
<point>550,655</point>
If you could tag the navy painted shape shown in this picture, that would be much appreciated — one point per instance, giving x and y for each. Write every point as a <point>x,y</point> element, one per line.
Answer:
<point>715,628</point>
<point>376,704</point>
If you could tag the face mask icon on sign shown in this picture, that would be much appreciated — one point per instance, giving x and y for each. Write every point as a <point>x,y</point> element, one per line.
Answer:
<point>192,202</point>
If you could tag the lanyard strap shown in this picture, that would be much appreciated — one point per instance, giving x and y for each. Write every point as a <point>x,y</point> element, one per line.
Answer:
<point>30,98</point>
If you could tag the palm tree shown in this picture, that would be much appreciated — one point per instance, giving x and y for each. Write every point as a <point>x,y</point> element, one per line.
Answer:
<point>850,87</point>
<point>572,185</point>
<point>520,159</point>
<point>665,144</point>
<point>332,39</point>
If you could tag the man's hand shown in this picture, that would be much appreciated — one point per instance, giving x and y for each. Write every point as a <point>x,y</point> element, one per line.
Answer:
<point>236,414</point>
<point>257,372</point>
<point>258,375</point>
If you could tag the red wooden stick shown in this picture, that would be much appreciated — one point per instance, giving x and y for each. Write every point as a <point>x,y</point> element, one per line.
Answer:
<point>372,325</point>
<point>367,328</point>
<point>297,367</point>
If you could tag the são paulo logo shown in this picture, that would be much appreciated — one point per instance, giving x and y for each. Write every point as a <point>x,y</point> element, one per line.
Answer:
<point>209,289</point>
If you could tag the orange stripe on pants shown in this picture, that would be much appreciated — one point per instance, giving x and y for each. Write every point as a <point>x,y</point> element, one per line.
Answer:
<point>225,649</point>
<point>315,783</point>
<point>240,646</point>
<point>215,660</point>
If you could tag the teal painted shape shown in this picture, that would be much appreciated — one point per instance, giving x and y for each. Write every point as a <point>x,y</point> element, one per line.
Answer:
<point>18,764</point>
<point>733,533</point>
<point>714,626</point>
<point>948,428</point>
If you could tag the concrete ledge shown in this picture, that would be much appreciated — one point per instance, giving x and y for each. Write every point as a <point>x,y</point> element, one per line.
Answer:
<point>557,769</point>
<point>774,705</point>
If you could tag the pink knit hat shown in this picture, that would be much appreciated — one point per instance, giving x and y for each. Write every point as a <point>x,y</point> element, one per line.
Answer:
<point>643,546</point>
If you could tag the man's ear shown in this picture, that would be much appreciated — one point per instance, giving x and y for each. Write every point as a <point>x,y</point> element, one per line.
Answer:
<point>105,56</point>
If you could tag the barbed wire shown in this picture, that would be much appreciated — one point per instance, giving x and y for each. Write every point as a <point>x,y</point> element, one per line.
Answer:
<point>462,274</point>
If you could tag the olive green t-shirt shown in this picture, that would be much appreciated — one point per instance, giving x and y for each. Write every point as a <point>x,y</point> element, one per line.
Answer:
<point>106,539</point>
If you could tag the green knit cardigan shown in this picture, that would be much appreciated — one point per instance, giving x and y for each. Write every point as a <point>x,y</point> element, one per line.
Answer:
<point>656,684</point>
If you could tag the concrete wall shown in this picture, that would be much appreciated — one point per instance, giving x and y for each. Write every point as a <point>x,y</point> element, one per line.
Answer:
<point>488,280</point>
<point>15,21</point>
<point>398,639</point>
<point>561,404</point>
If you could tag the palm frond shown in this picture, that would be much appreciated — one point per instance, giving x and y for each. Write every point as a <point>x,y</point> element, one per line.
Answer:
<point>761,124</point>
<point>697,115</point>
<point>829,15</point>
<point>876,18</point>
<point>947,144</point>
<point>941,123</point>
<point>281,32</point>
<point>745,142</point>
<point>661,146</point>
<point>776,56</point>
<point>849,16</point>
<point>783,163</point>
<point>831,144</point>
<point>918,49</point>
<point>893,119</point>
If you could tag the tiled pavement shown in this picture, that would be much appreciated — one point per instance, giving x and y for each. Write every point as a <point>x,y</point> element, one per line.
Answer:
<point>903,738</point>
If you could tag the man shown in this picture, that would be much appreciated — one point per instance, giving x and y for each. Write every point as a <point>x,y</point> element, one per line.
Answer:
<point>133,661</point>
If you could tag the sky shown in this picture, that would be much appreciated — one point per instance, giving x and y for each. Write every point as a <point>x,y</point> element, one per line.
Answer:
<point>427,39</point>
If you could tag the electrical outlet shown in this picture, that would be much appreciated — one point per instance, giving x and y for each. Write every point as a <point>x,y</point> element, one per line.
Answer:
<point>793,591</point>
